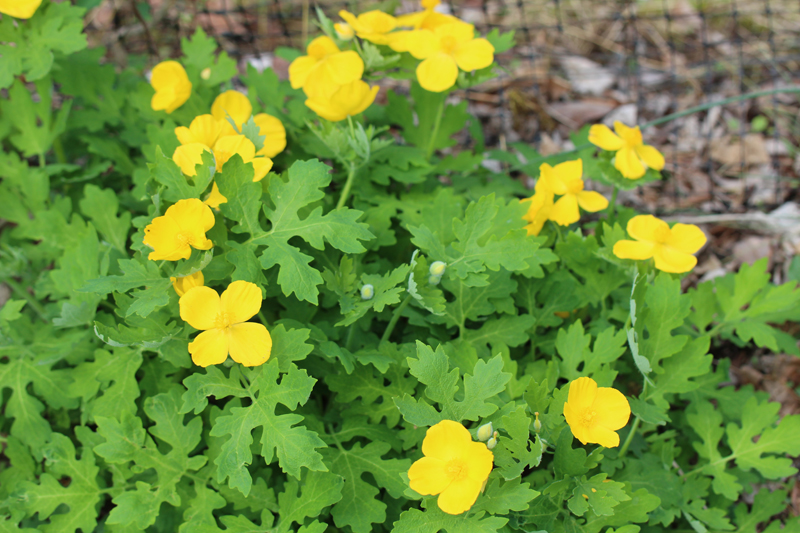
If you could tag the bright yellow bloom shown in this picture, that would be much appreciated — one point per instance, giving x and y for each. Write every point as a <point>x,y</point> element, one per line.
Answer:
<point>274,134</point>
<point>231,104</point>
<point>188,156</point>
<point>183,227</point>
<point>225,148</point>
<point>539,207</point>
<point>445,49</point>
<point>427,19</point>
<point>344,31</point>
<point>672,248</point>
<point>633,156</point>
<point>454,467</point>
<point>172,86</point>
<point>204,129</point>
<point>374,26</point>
<point>223,322</point>
<point>346,100</point>
<point>21,9</point>
<point>183,284</point>
<point>325,66</point>
<point>565,180</point>
<point>594,414</point>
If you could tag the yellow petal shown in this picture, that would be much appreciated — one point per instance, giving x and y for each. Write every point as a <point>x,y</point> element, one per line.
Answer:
<point>204,129</point>
<point>21,9</point>
<point>430,4</point>
<point>229,145</point>
<point>344,67</point>
<point>191,214</point>
<point>459,31</point>
<point>172,86</point>
<point>241,301</point>
<point>647,228</point>
<point>209,348</point>
<point>347,100</point>
<point>233,104</point>
<point>565,210</point>
<point>474,55</point>
<point>422,44</point>
<point>592,201</point>
<point>602,436</point>
<point>349,18</point>
<point>568,173</point>
<point>479,461</point>
<point>686,238</point>
<point>651,157</point>
<point>183,284</point>
<point>601,136</point>
<point>428,476</point>
<point>274,134</point>
<point>322,47</point>
<point>184,135</point>
<point>631,136</point>
<point>459,496</point>
<point>301,69</point>
<point>628,163</point>
<point>344,31</point>
<point>215,198</point>
<point>377,21</point>
<point>674,261</point>
<point>437,73</point>
<point>582,393</point>
<point>188,156</point>
<point>199,307</point>
<point>250,344</point>
<point>576,425</point>
<point>261,167</point>
<point>162,236</point>
<point>446,440</point>
<point>612,408</point>
<point>398,41</point>
<point>625,249</point>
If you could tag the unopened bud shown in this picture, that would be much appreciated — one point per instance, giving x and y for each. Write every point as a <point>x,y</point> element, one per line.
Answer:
<point>367,292</point>
<point>205,73</point>
<point>537,425</point>
<point>344,31</point>
<point>437,268</point>
<point>492,443</point>
<point>485,432</point>
<point>585,496</point>
<point>434,280</point>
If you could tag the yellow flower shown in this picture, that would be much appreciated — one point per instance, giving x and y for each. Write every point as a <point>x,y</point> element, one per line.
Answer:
<point>224,326</point>
<point>182,285</point>
<point>325,66</point>
<point>183,227</point>
<point>274,134</point>
<point>188,156</point>
<point>21,9</point>
<point>346,100</point>
<point>172,86</point>
<point>344,31</point>
<point>204,129</point>
<point>454,467</point>
<point>565,179</point>
<point>539,208</point>
<point>231,104</point>
<point>444,50</point>
<point>374,26</point>
<point>594,414</point>
<point>672,248</point>
<point>632,154</point>
<point>225,148</point>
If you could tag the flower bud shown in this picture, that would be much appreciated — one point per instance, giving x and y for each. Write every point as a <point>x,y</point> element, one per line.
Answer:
<point>367,292</point>
<point>492,443</point>
<point>437,268</point>
<point>344,31</point>
<point>434,280</point>
<point>205,73</point>
<point>485,432</point>
<point>537,425</point>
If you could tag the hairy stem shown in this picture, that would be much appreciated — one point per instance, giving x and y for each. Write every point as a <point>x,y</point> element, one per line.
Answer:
<point>395,317</point>
<point>34,304</point>
<point>436,124</point>
<point>612,207</point>
<point>627,442</point>
<point>347,186</point>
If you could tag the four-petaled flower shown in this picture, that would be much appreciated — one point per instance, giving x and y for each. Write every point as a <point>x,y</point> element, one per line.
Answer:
<point>224,326</point>
<point>672,248</point>
<point>444,50</point>
<point>204,129</point>
<point>454,467</point>
<point>565,180</point>
<point>325,66</point>
<point>374,26</point>
<point>633,156</point>
<point>594,414</point>
<point>172,86</point>
<point>184,284</point>
<point>539,207</point>
<point>344,101</point>
<point>237,107</point>
<point>183,227</point>
<point>21,9</point>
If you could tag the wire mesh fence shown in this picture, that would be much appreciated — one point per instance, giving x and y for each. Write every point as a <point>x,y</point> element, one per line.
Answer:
<point>575,62</point>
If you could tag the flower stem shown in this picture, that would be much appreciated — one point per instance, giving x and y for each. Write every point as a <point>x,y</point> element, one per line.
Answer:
<point>20,291</point>
<point>347,186</point>
<point>613,204</point>
<point>436,124</point>
<point>395,317</point>
<point>628,440</point>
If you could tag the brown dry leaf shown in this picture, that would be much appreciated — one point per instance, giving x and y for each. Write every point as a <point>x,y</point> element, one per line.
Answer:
<point>728,151</point>
<point>586,76</point>
<point>752,248</point>
<point>582,111</point>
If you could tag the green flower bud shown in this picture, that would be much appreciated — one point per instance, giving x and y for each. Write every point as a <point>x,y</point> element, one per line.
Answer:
<point>434,280</point>
<point>537,425</point>
<point>367,292</point>
<point>492,443</point>
<point>438,268</point>
<point>485,432</point>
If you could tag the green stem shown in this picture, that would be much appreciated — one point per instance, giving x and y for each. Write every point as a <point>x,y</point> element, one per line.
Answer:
<point>347,186</point>
<point>395,317</point>
<point>348,344</point>
<point>436,124</point>
<point>20,291</point>
<point>612,207</point>
<point>58,148</point>
<point>627,442</point>
<point>42,162</point>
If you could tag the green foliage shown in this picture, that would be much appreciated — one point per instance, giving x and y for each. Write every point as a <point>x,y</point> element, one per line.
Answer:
<point>427,300</point>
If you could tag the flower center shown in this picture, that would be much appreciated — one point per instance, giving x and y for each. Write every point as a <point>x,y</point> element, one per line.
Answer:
<point>457,469</point>
<point>223,320</point>
<point>182,239</point>
<point>662,234</point>
<point>588,417</point>
<point>575,186</point>
<point>448,43</point>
